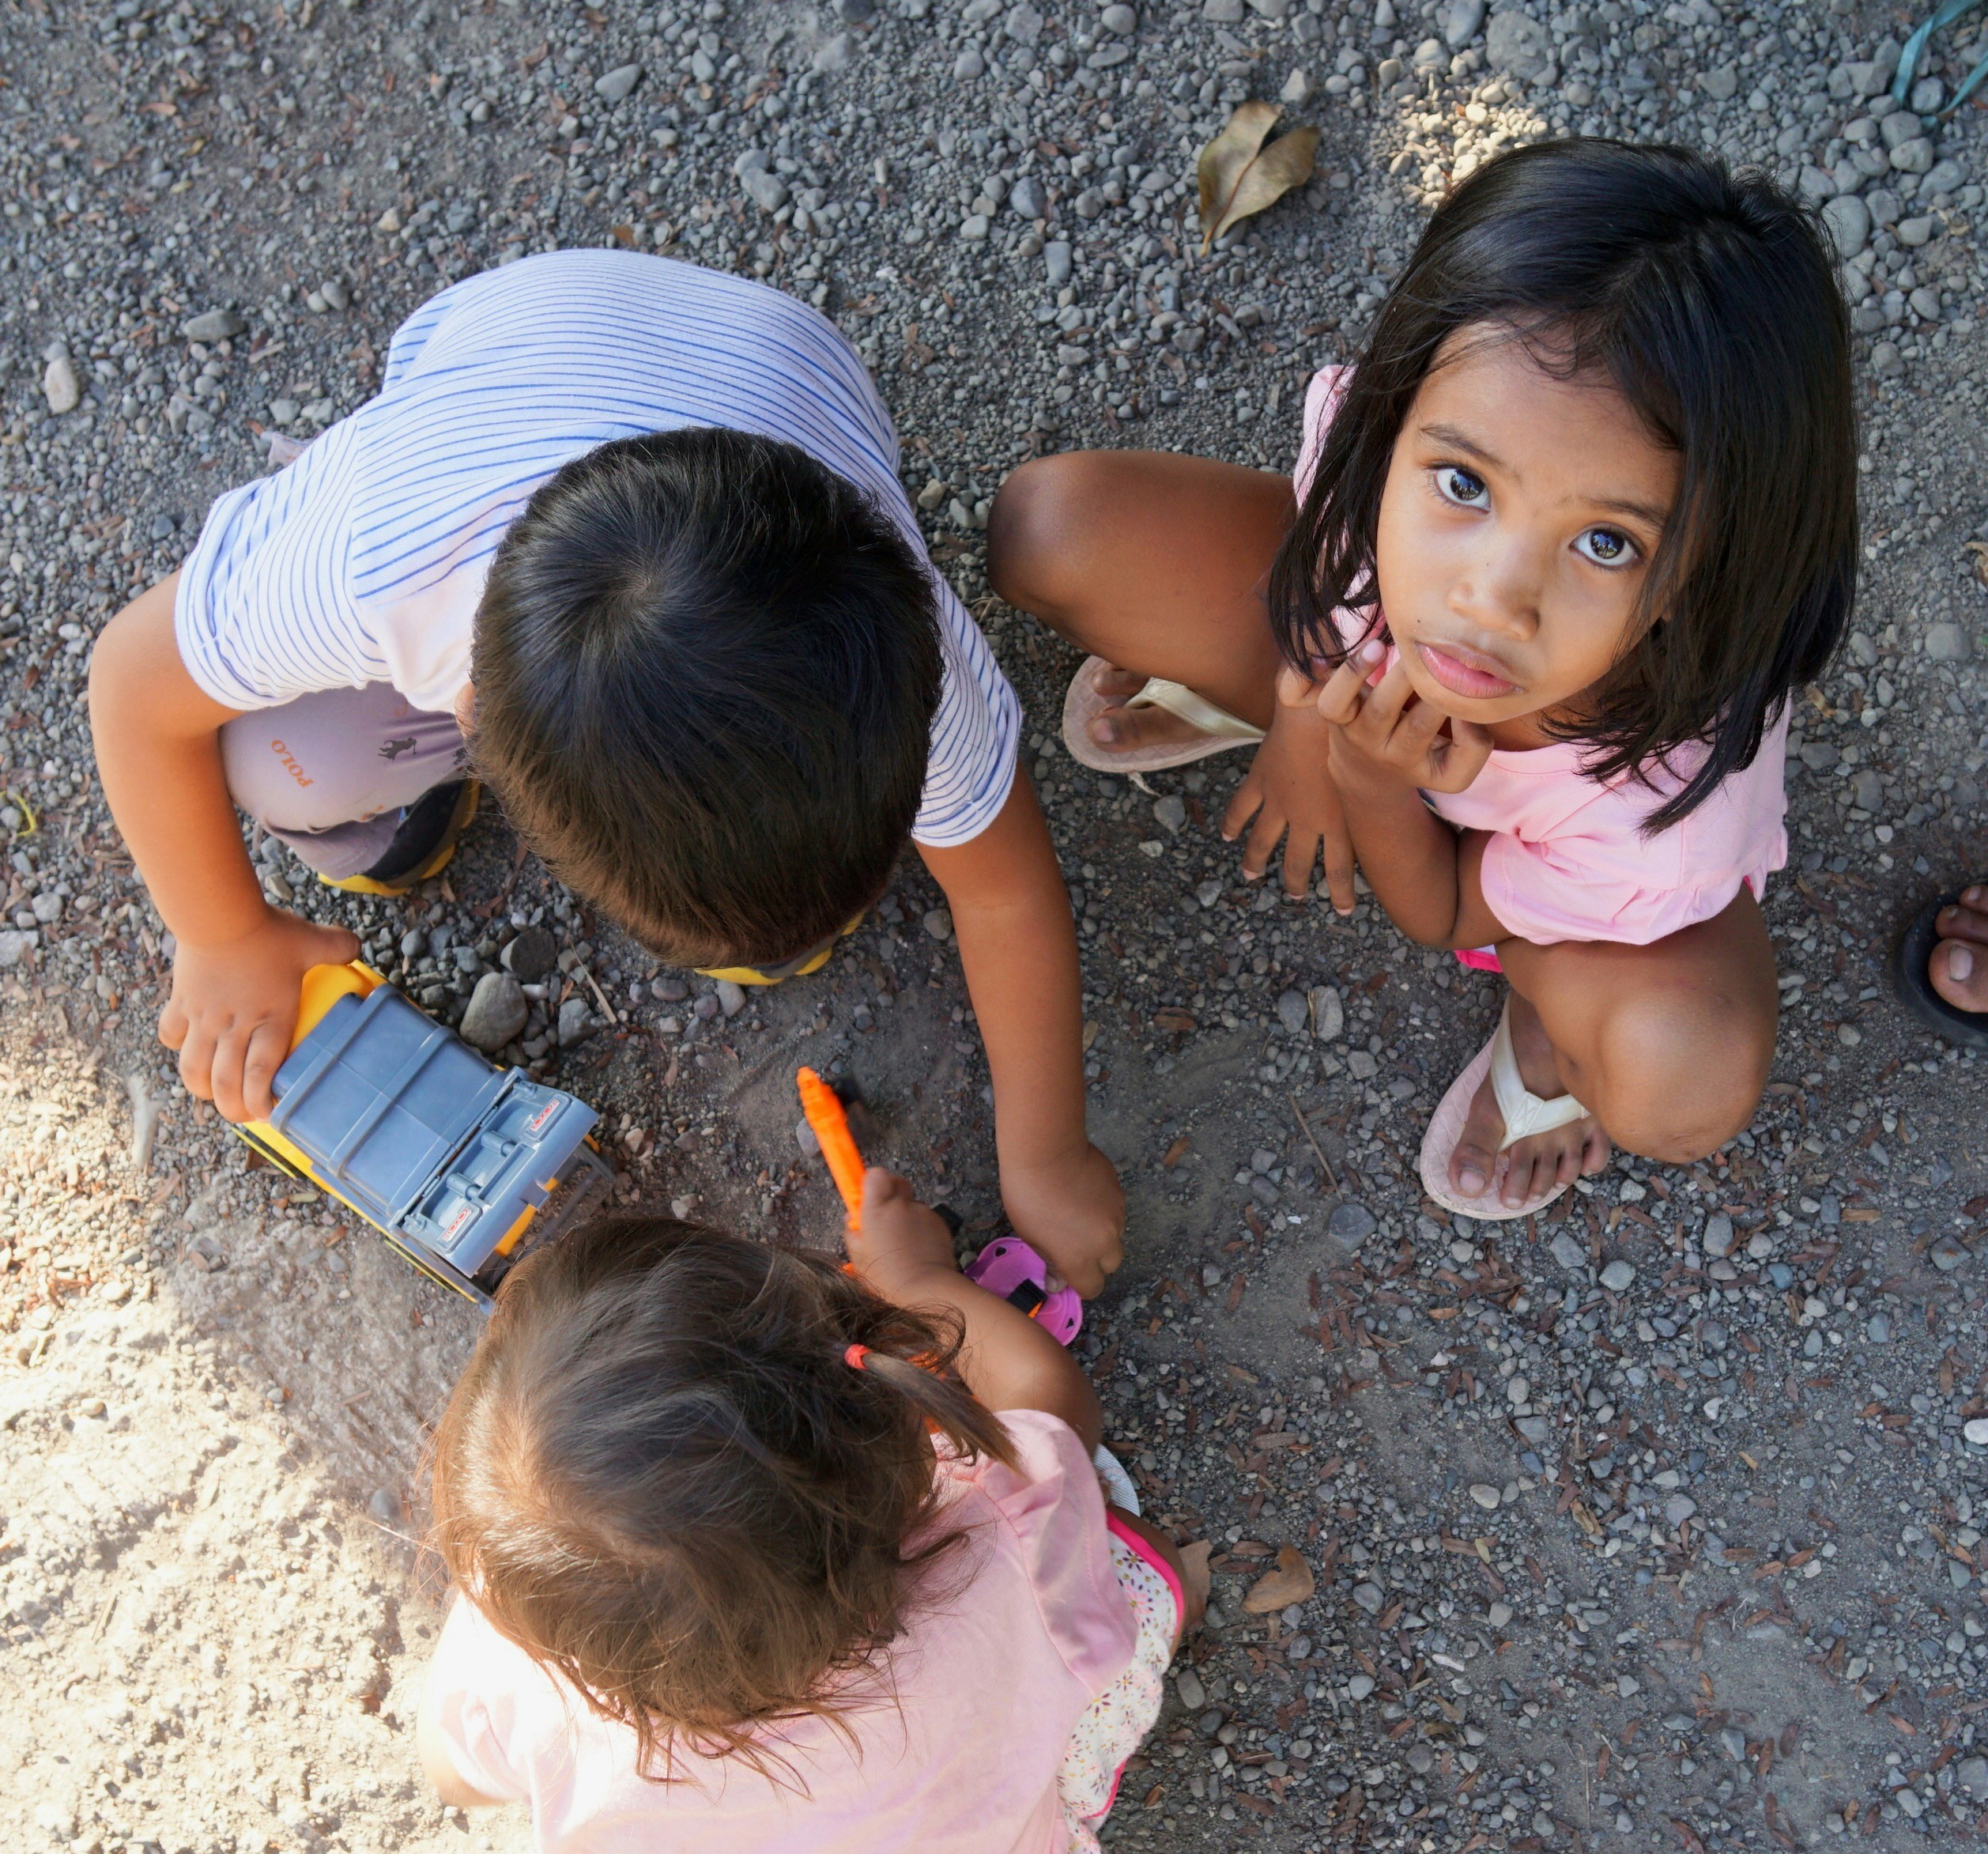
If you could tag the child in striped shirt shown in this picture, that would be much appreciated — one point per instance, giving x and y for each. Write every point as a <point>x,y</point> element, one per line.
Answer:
<point>623,540</point>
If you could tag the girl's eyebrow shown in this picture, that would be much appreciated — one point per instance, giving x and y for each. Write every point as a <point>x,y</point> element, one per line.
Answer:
<point>1451,439</point>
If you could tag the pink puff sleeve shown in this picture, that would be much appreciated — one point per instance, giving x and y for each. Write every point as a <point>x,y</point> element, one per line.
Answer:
<point>1053,1515</point>
<point>473,1682</point>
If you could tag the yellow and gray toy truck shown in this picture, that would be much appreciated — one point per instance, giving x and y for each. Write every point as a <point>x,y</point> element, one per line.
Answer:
<point>457,1163</point>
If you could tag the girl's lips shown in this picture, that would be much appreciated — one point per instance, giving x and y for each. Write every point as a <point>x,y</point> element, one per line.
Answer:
<point>1463,675</point>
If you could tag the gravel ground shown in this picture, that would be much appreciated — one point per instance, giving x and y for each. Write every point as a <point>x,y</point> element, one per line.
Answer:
<point>1653,1524</point>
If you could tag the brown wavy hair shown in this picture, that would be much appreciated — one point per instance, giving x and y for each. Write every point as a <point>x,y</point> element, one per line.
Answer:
<point>660,1478</point>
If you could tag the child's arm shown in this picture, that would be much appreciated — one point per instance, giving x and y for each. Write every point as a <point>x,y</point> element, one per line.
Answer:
<point>1011,914</point>
<point>240,963</point>
<point>1387,748</point>
<point>904,1252</point>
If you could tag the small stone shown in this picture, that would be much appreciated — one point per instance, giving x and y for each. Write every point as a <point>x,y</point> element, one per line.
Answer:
<point>614,86</point>
<point>1056,262</point>
<point>1948,643</point>
<point>1718,1239</point>
<point>1352,1222</point>
<point>14,947</point>
<point>1293,1013</point>
<point>765,190</point>
<point>1024,24</point>
<point>1297,88</point>
<point>1486,1496</point>
<point>1119,19</point>
<point>1849,220</point>
<point>835,53</point>
<point>1187,1683</point>
<point>1519,45</point>
<point>214,325</point>
<point>1972,1775</point>
<point>1916,232</point>
<point>47,907</point>
<point>1459,22</point>
<point>938,923</point>
<point>60,386</point>
<point>1878,1330</point>
<point>1170,813</point>
<point>1028,199</point>
<point>1618,1277</point>
<point>531,955</point>
<point>575,1022</point>
<point>1947,1255</point>
<point>1679,1507</point>
<point>731,997</point>
<point>1627,1687</point>
<point>384,1505</point>
<point>1222,12</point>
<point>969,63</point>
<point>1887,362</point>
<point>803,1137</point>
<point>1721,83</point>
<point>975,227</point>
<point>1361,1685</point>
<point>1569,1254</point>
<point>497,1012</point>
<point>335,295</point>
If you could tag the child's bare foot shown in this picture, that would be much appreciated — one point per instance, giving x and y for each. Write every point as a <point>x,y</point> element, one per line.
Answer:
<point>1536,1164</point>
<point>1121,728</point>
<point>1958,969</point>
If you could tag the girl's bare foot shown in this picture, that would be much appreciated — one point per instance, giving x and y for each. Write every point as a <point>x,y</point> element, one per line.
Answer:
<point>1534,1164</point>
<point>1958,969</point>
<point>1119,726</point>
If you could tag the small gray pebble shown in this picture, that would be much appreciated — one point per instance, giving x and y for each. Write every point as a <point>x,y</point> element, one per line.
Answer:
<point>1618,1277</point>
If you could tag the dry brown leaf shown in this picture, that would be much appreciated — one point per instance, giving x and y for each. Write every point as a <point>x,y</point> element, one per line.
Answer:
<point>1979,550</point>
<point>1239,175</point>
<point>1291,1582</point>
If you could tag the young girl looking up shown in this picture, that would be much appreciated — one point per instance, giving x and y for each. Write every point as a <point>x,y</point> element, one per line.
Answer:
<point>1565,538</point>
<point>753,1554</point>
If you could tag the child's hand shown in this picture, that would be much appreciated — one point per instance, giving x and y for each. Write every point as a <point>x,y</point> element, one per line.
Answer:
<point>1072,1212</point>
<point>901,1239</point>
<point>234,1006</point>
<point>1388,731</point>
<point>1290,787</point>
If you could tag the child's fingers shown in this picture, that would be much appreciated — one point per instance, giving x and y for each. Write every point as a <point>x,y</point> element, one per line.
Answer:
<point>196,1060</point>
<point>1345,693</point>
<point>267,1049</point>
<point>1387,698</point>
<point>1247,801</point>
<point>882,1188</point>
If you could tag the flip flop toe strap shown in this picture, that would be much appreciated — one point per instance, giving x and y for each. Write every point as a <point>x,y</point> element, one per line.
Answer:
<point>1199,713</point>
<point>1524,1112</point>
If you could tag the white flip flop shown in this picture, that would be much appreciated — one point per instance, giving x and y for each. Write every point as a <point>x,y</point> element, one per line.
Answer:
<point>1219,729</point>
<point>1525,1113</point>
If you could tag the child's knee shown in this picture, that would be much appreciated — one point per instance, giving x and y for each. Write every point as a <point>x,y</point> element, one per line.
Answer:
<point>1681,1078</point>
<point>1036,531</point>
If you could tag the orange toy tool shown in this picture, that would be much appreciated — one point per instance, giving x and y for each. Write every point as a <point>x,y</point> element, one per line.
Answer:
<point>830,1126</point>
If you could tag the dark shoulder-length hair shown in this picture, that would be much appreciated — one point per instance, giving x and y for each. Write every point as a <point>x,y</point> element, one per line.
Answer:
<point>1709,300</point>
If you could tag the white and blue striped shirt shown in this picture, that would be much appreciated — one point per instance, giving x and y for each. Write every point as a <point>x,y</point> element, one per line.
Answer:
<point>365,560</point>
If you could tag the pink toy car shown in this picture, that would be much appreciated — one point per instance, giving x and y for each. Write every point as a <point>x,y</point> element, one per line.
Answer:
<point>1010,1268</point>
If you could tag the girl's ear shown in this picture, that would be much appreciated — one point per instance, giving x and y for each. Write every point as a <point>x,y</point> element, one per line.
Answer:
<point>466,708</point>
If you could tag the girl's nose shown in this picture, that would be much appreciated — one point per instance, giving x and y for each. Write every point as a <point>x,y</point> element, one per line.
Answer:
<point>1499,589</point>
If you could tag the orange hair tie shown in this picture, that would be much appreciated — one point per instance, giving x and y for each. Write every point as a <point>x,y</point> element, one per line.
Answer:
<point>854,1355</point>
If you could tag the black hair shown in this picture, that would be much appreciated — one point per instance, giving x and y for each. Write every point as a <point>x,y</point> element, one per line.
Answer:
<point>664,1475</point>
<point>706,668</point>
<point>1709,299</point>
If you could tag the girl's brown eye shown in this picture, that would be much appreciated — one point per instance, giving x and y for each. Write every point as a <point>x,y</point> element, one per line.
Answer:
<point>1606,547</point>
